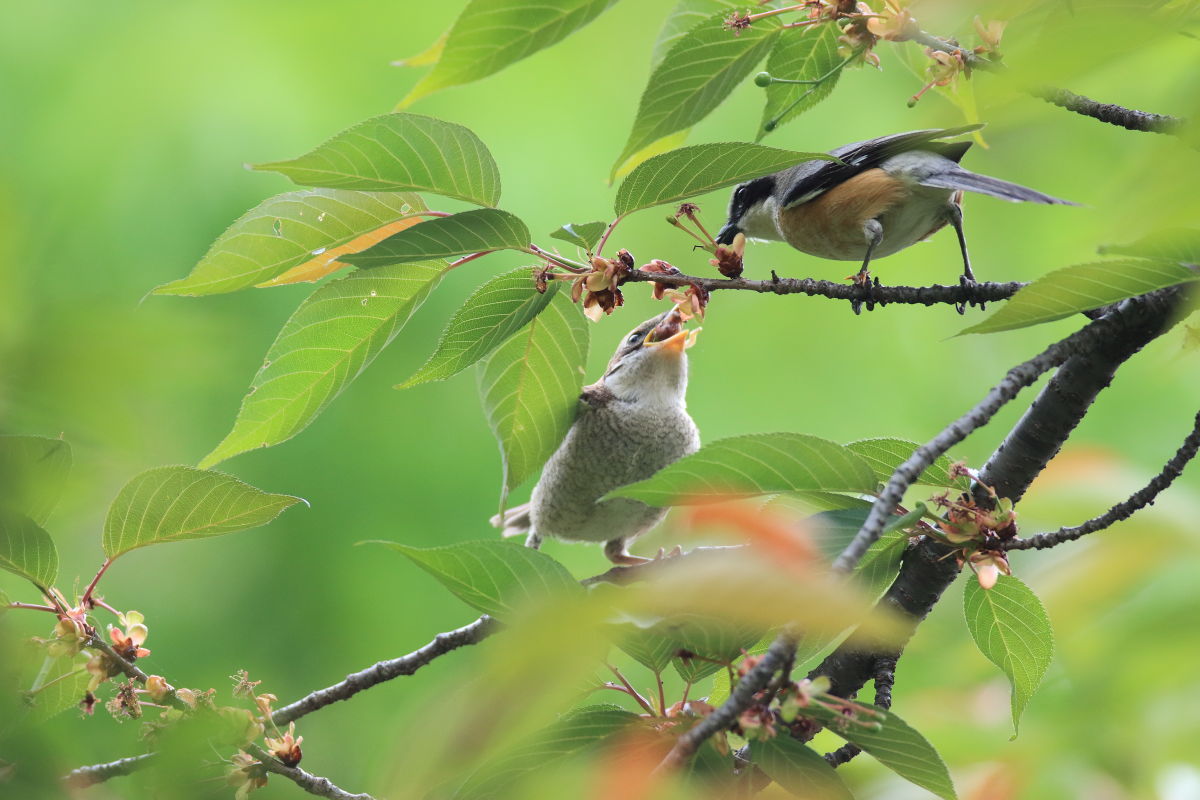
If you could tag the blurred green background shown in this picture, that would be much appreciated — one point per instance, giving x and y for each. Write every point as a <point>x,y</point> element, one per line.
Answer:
<point>123,130</point>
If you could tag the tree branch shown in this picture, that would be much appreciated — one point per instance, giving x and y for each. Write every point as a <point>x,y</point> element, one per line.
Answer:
<point>929,567</point>
<point>1128,118</point>
<point>781,651</point>
<point>959,294</point>
<point>382,671</point>
<point>1123,510</point>
<point>313,784</point>
<point>84,777</point>
<point>885,679</point>
<point>1099,347</point>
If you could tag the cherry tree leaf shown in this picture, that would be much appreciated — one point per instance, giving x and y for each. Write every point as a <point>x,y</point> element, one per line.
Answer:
<point>33,470</point>
<point>297,236</point>
<point>497,310</point>
<point>1082,287</point>
<point>61,684</point>
<point>691,171</point>
<point>400,153</point>
<point>174,504</point>
<point>442,237</point>
<point>490,35</point>
<point>756,464</point>
<point>574,732</point>
<point>685,17</point>
<point>582,234</point>
<point>809,56</point>
<point>1180,245</point>
<point>1012,630</point>
<point>26,549</point>
<point>495,577</point>
<point>530,387</point>
<point>798,769</point>
<point>885,454</point>
<point>697,73</point>
<point>329,341</point>
<point>894,744</point>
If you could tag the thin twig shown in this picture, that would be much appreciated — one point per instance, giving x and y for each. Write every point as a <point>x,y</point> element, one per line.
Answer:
<point>1013,382</point>
<point>34,607</point>
<point>1128,118</point>
<point>741,698</point>
<point>970,293</point>
<point>1123,510</point>
<point>83,777</point>
<point>383,671</point>
<point>885,679</point>
<point>313,784</point>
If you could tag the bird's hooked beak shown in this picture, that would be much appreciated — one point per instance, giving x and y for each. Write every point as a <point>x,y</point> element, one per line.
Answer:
<point>727,232</point>
<point>669,336</point>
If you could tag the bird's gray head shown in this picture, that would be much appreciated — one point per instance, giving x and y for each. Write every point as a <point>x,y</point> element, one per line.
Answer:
<point>751,211</point>
<point>650,364</point>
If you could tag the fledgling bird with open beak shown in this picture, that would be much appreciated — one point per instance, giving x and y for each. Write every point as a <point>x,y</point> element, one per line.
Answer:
<point>887,194</point>
<point>630,424</point>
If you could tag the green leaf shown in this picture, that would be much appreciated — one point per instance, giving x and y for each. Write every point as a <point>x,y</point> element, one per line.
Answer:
<point>573,732</point>
<point>880,564</point>
<point>310,229</point>
<point>798,769</point>
<point>697,73</point>
<point>442,237</point>
<point>26,549</point>
<point>895,745</point>
<point>400,153</point>
<point>884,455</point>
<point>581,234</point>
<point>1180,245</point>
<point>492,576</point>
<point>33,470</point>
<point>331,338</point>
<point>173,504</point>
<point>717,641</point>
<point>691,171</point>
<point>649,647</point>
<point>1082,287</point>
<point>808,56</point>
<point>530,387</point>
<point>61,685</point>
<point>685,17</point>
<point>755,464</point>
<point>1012,630</point>
<point>489,35</point>
<point>497,310</point>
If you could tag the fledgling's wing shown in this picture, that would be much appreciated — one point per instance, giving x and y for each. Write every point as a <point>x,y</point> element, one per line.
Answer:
<point>806,181</point>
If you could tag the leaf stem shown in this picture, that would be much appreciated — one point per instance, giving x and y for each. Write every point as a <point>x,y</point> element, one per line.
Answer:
<point>561,261</point>
<point>467,258</point>
<point>662,697</point>
<point>814,84</point>
<point>641,701</point>
<point>86,600</point>
<point>608,232</point>
<point>33,606</point>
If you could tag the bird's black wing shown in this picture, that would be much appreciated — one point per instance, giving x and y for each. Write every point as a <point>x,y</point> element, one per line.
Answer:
<point>810,179</point>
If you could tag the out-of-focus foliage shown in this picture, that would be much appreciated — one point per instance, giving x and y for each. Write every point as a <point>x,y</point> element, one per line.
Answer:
<point>124,165</point>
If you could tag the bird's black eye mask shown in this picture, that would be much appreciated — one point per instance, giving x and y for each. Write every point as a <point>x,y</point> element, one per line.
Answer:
<point>747,195</point>
<point>744,198</point>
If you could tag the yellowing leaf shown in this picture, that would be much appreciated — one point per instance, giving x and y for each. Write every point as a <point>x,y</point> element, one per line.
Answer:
<point>326,263</point>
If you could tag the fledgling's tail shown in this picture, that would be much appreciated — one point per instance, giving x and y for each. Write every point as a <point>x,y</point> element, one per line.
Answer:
<point>514,522</point>
<point>983,184</point>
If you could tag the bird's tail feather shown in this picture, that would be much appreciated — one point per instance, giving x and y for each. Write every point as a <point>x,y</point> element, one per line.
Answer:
<point>514,521</point>
<point>983,184</point>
